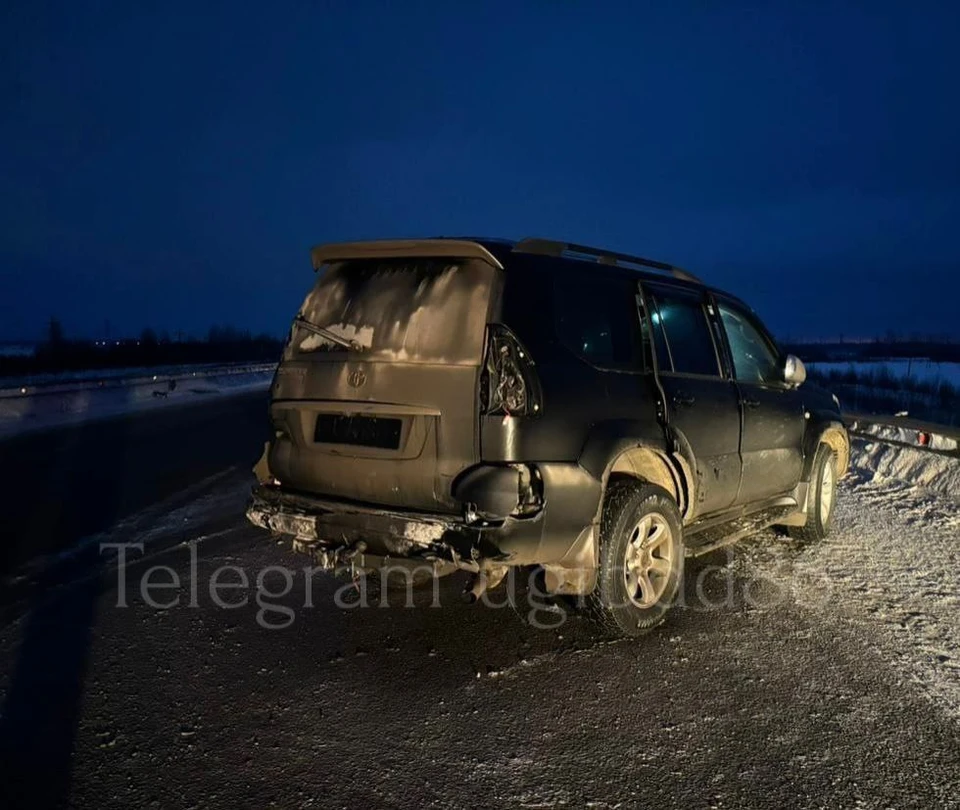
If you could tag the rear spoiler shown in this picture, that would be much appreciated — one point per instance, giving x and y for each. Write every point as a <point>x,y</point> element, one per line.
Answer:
<point>402,248</point>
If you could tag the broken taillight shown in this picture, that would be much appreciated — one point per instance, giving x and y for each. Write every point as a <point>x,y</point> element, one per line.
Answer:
<point>509,382</point>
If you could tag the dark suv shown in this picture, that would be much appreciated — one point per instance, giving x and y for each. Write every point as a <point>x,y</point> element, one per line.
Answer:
<point>475,404</point>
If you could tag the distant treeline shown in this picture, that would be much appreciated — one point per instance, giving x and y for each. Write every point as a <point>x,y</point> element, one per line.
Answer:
<point>940,351</point>
<point>878,391</point>
<point>223,344</point>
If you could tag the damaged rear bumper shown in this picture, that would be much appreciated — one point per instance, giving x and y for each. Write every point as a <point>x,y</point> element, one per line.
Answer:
<point>336,531</point>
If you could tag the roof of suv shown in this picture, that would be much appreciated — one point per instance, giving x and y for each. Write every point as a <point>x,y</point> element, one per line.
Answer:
<point>494,251</point>
<point>576,252</point>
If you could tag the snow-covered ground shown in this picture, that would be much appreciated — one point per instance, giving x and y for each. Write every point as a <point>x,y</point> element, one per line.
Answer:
<point>75,402</point>
<point>891,567</point>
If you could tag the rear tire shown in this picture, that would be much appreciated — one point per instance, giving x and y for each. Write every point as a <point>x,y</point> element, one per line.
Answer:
<point>641,559</point>
<point>822,497</point>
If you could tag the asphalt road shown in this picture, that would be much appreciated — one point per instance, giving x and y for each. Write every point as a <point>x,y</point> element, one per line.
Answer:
<point>291,700</point>
<point>67,483</point>
<point>292,695</point>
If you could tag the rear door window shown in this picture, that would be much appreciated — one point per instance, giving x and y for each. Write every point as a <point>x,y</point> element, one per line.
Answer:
<point>680,323</point>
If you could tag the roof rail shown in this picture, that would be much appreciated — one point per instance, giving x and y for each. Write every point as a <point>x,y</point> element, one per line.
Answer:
<point>548,247</point>
<point>402,248</point>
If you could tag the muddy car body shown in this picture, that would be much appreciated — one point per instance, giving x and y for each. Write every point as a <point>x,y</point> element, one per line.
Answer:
<point>478,404</point>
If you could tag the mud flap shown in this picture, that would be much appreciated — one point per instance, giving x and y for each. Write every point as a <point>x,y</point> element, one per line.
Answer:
<point>262,468</point>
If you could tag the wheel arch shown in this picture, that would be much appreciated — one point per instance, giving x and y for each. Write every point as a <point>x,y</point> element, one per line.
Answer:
<point>648,465</point>
<point>612,455</point>
<point>833,433</point>
<point>640,451</point>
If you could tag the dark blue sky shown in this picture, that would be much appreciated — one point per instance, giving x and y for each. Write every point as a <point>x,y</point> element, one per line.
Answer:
<point>172,167</point>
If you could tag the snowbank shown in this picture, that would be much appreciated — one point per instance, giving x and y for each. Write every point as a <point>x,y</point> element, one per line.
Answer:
<point>879,461</point>
<point>26,409</point>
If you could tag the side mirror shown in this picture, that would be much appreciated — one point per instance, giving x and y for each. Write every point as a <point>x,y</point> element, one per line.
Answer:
<point>794,371</point>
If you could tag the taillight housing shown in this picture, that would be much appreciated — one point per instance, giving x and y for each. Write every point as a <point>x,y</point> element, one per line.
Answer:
<point>508,383</point>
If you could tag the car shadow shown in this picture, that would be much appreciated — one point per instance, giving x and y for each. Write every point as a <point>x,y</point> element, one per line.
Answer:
<point>72,483</point>
<point>38,719</point>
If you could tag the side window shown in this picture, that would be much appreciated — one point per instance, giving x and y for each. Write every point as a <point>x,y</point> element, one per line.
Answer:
<point>596,318</point>
<point>682,319</point>
<point>754,359</point>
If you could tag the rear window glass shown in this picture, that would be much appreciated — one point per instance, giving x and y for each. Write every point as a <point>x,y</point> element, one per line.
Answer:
<point>597,319</point>
<point>404,310</point>
<point>681,317</point>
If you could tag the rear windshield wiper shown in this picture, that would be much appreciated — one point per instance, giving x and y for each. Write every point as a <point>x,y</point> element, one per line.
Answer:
<point>333,337</point>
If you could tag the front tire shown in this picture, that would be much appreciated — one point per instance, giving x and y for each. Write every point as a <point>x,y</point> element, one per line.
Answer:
<point>822,497</point>
<point>641,559</point>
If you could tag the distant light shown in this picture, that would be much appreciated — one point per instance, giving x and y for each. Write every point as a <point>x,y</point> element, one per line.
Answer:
<point>154,377</point>
<point>23,390</point>
<point>118,342</point>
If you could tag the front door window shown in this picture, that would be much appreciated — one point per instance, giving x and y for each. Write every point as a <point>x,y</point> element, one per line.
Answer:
<point>754,359</point>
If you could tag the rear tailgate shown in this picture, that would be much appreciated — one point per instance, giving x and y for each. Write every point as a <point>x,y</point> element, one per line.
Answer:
<point>395,421</point>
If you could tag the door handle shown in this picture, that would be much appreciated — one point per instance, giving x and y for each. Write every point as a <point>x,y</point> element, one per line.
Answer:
<point>680,399</point>
<point>751,403</point>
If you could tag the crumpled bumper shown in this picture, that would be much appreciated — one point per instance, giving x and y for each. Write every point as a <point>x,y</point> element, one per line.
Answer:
<point>343,529</point>
<point>560,534</point>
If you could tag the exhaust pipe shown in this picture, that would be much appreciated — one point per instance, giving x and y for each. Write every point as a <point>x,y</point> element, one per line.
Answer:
<point>476,588</point>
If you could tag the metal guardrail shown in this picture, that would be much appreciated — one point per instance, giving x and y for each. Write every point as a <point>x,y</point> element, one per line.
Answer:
<point>928,437</point>
<point>53,387</point>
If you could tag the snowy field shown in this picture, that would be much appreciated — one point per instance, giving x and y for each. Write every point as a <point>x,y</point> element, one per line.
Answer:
<point>917,370</point>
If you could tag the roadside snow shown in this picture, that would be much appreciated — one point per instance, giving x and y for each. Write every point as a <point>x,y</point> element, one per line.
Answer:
<point>882,462</point>
<point>891,566</point>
